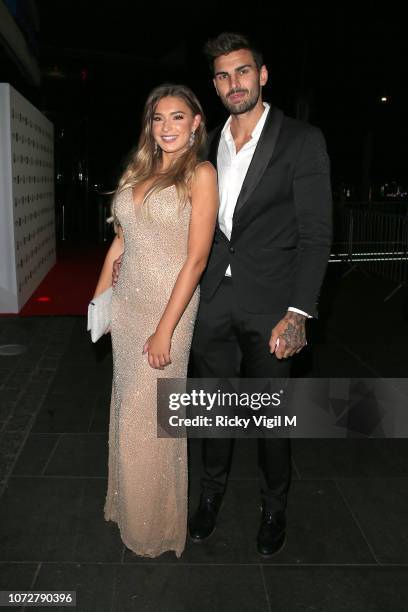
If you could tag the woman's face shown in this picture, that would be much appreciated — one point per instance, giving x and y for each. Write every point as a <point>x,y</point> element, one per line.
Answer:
<point>173,122</point>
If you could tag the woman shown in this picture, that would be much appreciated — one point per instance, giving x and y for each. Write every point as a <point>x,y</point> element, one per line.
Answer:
<point>164,214</point>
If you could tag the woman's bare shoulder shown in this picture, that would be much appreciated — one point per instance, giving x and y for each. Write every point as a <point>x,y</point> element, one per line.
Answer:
<point>205,171</point>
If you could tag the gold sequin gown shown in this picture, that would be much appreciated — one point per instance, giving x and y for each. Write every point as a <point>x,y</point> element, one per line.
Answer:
<point>147,480</point>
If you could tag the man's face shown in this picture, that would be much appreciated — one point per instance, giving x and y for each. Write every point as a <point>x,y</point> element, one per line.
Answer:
<point>238,81</point>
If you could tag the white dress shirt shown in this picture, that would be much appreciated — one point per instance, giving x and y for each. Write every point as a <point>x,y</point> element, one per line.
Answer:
<point>232,168</point>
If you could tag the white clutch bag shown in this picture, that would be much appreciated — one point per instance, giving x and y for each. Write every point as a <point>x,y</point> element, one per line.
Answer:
<point>99,314</point>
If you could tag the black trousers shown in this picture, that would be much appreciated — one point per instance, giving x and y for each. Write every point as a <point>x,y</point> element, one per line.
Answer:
<point>229,342</point>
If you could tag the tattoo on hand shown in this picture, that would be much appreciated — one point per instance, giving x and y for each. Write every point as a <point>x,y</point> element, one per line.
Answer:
<point>295,333</point>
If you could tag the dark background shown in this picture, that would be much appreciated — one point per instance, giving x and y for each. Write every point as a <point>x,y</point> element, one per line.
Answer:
<point>348,505</point>
<point>328,63</point>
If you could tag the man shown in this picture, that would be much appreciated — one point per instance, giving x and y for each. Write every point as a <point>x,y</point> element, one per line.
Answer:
<point>267,263</point>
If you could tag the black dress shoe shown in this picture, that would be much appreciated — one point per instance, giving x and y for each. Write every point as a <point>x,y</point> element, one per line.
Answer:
<point>272,533</point>
<point>202,524</point>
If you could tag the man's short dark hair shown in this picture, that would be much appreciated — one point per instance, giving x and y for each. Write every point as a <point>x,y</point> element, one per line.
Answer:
<point>226,42</point>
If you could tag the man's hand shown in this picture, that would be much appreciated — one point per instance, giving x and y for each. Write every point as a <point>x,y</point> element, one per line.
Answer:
<point>115,270</point>
<point>288,336</point>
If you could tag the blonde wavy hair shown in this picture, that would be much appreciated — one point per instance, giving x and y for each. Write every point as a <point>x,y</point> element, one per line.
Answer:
<point>146,158</point>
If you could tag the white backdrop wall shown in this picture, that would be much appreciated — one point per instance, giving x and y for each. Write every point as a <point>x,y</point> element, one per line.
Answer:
<point>27,210</point>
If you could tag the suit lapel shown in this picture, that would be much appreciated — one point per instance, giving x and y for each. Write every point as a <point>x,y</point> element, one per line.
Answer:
<point>263,153</point>
<point>212,152</point>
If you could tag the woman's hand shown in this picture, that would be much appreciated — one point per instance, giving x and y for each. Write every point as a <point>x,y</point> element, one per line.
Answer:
<point>158,348</point>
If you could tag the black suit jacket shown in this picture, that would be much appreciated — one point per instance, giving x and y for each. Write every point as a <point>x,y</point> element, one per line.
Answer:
<point>282,224</point>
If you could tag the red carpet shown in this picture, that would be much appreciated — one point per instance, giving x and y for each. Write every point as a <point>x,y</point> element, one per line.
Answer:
<point>69,285</point>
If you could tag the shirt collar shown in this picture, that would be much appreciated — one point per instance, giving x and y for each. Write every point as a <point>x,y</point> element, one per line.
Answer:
<point>226,132</point>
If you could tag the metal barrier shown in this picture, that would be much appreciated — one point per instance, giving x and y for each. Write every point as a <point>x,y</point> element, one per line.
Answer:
<point>375,240</point>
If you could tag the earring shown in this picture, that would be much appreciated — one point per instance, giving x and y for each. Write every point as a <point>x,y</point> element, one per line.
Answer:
<point>191,139</point>
<point>156,148</point>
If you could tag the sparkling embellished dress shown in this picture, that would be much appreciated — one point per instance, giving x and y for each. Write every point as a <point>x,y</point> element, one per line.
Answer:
<point>147,482</point>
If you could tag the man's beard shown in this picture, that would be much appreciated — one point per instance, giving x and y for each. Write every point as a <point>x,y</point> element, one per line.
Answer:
<point>244,106</point>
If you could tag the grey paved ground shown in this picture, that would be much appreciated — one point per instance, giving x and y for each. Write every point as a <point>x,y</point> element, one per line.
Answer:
<point>347,545</point>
